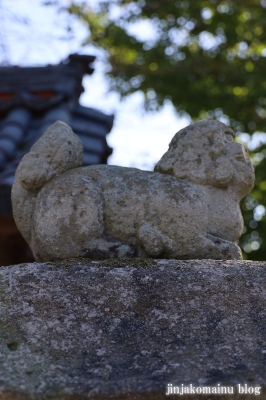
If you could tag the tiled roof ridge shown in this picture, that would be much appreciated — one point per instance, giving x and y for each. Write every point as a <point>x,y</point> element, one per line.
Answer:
<point>42,87</point>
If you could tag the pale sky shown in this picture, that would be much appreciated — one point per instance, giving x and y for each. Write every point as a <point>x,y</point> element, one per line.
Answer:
<point>32,34</point>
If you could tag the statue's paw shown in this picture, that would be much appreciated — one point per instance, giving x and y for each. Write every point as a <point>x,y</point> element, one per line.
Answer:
<point>224,249</point>
<point>152,240</point>
<point>233,252</point>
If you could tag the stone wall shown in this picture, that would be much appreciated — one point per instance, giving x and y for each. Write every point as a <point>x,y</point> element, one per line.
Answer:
<point>125,329</point>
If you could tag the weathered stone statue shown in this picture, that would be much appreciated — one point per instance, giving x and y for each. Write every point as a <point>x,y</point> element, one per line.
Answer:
<point>187,209</point>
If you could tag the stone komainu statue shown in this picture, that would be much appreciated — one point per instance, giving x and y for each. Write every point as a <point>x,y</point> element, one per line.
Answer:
<point>188,208</point>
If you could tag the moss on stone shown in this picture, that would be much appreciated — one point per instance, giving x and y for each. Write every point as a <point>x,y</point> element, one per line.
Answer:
<point>109,263</point>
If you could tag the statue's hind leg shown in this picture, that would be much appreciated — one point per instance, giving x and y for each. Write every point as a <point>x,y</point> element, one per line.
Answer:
<point>68,216</point>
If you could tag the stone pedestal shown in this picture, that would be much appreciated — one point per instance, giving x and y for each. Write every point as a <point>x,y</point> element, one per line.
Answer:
<point>125,329</point>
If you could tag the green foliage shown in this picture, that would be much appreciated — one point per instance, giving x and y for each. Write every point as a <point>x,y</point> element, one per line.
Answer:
<point>253,241</point>
<point>207,56</point>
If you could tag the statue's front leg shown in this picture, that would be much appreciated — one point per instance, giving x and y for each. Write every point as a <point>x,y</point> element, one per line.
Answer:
<point>217,248</point>
<point>155,242</point>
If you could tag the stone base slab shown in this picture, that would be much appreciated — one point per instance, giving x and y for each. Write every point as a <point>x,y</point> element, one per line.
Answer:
<point>125,329</point>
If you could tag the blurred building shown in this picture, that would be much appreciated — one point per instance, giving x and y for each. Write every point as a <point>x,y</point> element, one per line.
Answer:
<point>32,99</point>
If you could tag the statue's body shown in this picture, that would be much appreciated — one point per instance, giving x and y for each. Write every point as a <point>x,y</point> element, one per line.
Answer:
<point>188,208</point>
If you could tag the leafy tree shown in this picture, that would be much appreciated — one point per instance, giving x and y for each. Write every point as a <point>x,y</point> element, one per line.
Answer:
<point>253,241</point>
<point>207,56</point>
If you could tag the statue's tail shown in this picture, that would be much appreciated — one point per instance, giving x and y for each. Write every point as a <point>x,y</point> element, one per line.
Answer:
<point>57,151</point>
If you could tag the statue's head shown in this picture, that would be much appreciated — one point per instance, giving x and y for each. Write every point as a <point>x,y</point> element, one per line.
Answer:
<point>205,154</point>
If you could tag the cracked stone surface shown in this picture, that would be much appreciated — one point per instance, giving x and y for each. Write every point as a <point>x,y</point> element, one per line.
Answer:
<point>125,328</point>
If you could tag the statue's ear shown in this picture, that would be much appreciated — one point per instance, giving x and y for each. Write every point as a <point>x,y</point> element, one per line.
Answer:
<point>190,170</point>
<point>180,169</point>
<point>221,173</point>
<point>215,173</point>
